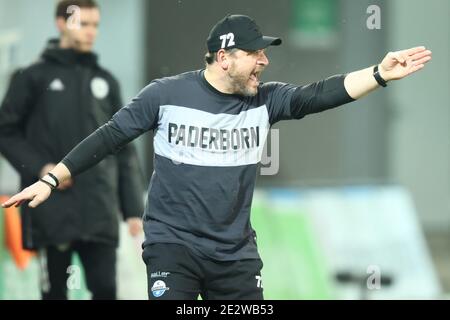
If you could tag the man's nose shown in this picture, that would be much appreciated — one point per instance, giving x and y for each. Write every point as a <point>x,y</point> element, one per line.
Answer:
<point>263,60</point>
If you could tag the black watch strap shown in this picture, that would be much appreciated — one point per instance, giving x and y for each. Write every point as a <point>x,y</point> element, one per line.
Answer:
<point>47,183</point>
<point>378,78</point>
<point>51,175</point>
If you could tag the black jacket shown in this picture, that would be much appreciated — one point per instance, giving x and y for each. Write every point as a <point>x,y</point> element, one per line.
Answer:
<point>48,109</point>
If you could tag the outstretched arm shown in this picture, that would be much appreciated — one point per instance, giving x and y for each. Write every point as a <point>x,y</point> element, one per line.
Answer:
<point>292,102</point>
<point>396,65</point>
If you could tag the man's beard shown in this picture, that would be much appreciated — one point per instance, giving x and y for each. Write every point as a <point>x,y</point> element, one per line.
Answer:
<point>239,83</point>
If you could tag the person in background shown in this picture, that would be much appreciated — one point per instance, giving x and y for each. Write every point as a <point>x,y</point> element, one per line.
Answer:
<point>50,107</point>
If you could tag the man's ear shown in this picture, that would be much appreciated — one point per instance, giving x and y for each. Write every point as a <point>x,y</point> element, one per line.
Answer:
<point>222,59</point>
<point>61,24</point>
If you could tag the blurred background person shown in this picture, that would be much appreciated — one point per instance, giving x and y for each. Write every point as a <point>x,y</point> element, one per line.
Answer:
<point>49,107</point>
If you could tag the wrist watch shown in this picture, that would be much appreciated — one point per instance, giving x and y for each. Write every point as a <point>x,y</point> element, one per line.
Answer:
<point>378,78</point>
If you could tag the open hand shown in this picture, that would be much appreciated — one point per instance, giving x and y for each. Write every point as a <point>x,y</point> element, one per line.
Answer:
<point>37,193</point>
<point>399,64</point>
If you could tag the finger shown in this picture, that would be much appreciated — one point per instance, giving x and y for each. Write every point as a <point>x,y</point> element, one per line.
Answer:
<point>11,201</point>
<point>18,203</point>
<point>7,204</point>
<point>420,55</point>
<point>36,201</point>
<point>422,61</point>
<point>416,68</point>
<point>414,50</point>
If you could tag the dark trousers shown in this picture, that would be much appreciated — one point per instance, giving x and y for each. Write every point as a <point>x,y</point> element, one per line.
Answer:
<point>174,272</point>
<point>99,264</point>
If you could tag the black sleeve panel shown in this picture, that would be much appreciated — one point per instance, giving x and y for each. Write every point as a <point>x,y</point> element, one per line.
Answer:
<point>319,96</point>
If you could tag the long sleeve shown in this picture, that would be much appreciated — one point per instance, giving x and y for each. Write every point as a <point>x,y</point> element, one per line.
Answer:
<point>16,107</point>
<point>319,96</point>
<point>287,101</point>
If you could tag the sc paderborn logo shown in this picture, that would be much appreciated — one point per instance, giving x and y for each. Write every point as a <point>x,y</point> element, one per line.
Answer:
<point>158,288</point>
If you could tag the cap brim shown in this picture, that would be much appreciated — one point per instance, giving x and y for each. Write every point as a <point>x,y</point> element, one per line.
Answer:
<point>261,43</point>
